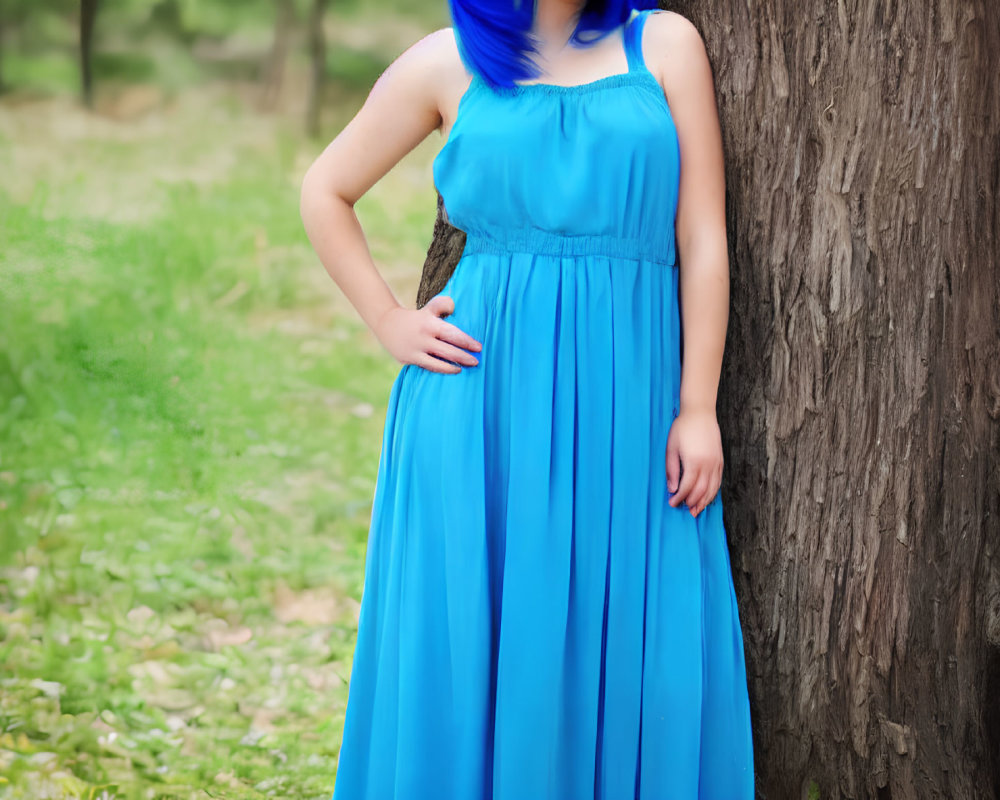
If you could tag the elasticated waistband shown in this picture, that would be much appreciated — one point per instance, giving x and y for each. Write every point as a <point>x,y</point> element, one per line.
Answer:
<point>535,240</point>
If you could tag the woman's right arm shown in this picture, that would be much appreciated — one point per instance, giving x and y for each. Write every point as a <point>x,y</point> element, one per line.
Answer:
<point>402,108</point>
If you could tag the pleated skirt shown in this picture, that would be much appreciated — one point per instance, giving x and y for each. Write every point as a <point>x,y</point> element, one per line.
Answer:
<point>537,622</point>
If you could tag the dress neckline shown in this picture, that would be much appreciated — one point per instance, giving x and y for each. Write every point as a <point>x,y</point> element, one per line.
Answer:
<point>605,82</point>
<point>636,71</point>
<point>638,75</point>
<point>622,32</point>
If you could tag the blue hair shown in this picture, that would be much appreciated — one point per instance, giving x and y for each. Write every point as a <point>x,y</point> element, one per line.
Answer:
<point>495,42</point>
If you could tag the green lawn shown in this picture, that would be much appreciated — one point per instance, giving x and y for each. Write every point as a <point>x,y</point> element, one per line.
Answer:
<point>190,422</point>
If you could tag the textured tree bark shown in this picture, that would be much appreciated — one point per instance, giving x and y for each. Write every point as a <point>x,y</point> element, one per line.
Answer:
<point>442,257</point>
<point>860,396</point>
<point>861,391</point>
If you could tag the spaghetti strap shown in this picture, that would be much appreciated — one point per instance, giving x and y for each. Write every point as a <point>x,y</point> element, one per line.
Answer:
<point>633,40</point>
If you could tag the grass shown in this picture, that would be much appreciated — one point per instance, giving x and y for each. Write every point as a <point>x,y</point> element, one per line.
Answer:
<point>190,422</point>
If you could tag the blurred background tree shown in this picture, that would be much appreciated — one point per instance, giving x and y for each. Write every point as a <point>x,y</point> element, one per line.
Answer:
<point>48,45</point>
<point>190,411</point>
<point>88,18</point>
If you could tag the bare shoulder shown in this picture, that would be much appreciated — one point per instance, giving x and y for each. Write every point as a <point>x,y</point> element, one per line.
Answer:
<point>427,61</point>
<point>433,68</point>
<point>446,42</point>
<point>674,49</point>
<point>437,50</point>
<point>452,72</point>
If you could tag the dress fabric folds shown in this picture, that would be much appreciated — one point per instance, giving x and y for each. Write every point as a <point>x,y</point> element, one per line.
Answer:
<point>537,622</point>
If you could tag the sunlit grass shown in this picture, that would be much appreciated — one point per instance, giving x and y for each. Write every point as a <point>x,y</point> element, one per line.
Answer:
<point>190,422</point>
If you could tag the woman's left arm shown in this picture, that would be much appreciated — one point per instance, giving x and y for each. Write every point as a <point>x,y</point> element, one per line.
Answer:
<point>679,61</point>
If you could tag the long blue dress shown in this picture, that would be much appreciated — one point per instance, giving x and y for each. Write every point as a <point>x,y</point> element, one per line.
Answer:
<point>537,623</point>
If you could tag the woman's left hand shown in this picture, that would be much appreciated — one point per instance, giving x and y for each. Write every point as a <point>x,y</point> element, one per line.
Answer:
<point>694,442</point>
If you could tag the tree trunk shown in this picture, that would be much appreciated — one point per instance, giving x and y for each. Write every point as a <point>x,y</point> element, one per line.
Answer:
<point>88,16</point>
<point>317,53</point>
<point>861,392</point>
<point>442,257</point>
<point>3,26</point>
<point>860,396</point>
<point>274,68</point>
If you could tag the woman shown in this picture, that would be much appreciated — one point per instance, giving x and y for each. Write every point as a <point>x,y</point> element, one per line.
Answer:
<point>548,608</point>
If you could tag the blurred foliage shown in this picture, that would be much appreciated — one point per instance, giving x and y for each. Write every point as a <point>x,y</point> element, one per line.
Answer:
<point>190,423</point>
<point>177,43</point>
<point>190,411</point>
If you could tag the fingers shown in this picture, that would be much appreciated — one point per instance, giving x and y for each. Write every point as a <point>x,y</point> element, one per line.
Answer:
<point>696,499</point>
<point>440,305</point>
<point>673,465</point>
<point>698,486</point>
<point>688,476</point>
<point>455,335</point>
<point>433,364</point>
<point>451,353</point>
<point>448,343</point>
